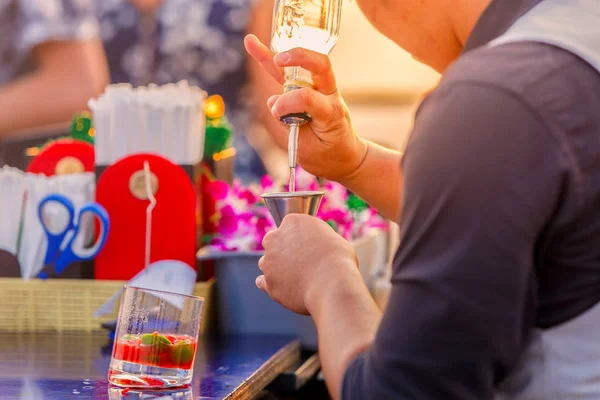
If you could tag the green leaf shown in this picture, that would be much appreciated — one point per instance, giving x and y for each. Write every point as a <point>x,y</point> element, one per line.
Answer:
<point>355,203</point>
<point>81,126</point>
<point>218,137</point>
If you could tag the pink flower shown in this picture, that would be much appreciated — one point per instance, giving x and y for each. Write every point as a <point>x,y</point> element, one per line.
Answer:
<point>339,217</point>
<point>228,223</point>
<point>266,183</point>
<point>336,196</point>
<point>376,221</point>
<point>248,196</point>
<point>218,189</point>
<point>219,244</point>
<point>245,220</point>
<point>305,181</point>
<point>347,230</point>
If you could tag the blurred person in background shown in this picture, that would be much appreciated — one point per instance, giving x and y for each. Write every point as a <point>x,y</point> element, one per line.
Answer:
<point>164,41</point>
<point>51,62</point>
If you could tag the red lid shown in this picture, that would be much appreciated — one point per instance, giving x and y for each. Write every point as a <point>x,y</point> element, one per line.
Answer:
<point>121,190</point>
<point>64,156</point>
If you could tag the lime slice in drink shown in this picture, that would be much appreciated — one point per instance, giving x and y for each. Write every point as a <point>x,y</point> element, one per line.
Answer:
<point>151,339</point>
<point>182,353</point>
<point>128,336</point>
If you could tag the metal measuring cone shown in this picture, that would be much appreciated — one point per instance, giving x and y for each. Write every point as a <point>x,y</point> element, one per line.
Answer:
<point>283,203</point>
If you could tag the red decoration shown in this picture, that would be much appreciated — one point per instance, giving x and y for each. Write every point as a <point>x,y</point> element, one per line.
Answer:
<point>173,218</point>
<point>208,217</point>
<point>63,156</point>
<point>209,205</point>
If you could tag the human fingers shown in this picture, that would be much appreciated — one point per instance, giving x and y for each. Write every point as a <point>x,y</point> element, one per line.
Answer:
<point>261,283</point>
<point>263,55</point>
<point>318,105</point>
<point>318,64</point>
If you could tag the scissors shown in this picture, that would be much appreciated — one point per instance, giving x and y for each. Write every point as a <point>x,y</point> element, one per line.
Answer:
<point>61,252</point>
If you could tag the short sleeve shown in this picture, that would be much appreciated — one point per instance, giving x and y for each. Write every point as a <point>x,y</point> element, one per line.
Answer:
<point>482,176</point>
<point>39,21</point>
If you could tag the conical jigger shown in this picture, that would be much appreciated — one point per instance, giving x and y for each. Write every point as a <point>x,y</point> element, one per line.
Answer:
<point>283,203</point>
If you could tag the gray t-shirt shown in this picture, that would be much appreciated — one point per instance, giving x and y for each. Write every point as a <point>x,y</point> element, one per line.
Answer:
<point>500,227</point>
<point>27,23</point>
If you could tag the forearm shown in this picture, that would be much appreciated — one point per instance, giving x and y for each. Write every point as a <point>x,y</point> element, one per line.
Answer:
<point>68,74</point>
<point>346,318</point>
<point>38,100</point>
<point>378,180</point>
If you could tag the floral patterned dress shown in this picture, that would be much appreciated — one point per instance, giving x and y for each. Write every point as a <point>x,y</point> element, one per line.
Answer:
<point>197,40</point>
<point>25,24</point>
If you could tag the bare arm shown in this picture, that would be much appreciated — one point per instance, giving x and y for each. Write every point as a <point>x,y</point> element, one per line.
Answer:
<point>263,85</point>
<point>378,180</point>
<point>354,326</point>
<point>329,147</point>
<point>310,269</point>
<point>67,75</point>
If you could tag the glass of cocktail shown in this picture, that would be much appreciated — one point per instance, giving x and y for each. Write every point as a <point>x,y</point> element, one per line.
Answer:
<point>180,393</point>
<point>156,339</point>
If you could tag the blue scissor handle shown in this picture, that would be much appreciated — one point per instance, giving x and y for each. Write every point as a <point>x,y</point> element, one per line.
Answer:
<point>55,239</point>
<point>68,255</point>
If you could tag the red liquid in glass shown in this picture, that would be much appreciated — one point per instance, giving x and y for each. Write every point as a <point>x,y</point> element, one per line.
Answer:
<point>179,353</point>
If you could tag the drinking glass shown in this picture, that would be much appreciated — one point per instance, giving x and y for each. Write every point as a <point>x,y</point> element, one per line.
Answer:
<point>117,393</point>
<point>156,339</point>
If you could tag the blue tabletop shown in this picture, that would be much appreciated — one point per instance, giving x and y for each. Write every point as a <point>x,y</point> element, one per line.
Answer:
<point>74,366</point>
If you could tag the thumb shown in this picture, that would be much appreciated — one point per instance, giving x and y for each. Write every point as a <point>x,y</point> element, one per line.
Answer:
<point>261,283</point>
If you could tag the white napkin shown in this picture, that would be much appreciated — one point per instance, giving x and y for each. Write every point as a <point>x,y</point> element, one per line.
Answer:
<point>108,111</point>
<point>179,126</point>
<point>102,127</point>
<point>156,130</point>
<point>197,136</point>
<point>166,275</point>
<point>12,192</point>
<point>167,120</point>
<point>32,248</point>
<point>79,189</point>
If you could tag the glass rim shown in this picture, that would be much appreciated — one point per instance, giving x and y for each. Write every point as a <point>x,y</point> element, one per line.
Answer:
<point>189,296</point>
<point>299,193</point>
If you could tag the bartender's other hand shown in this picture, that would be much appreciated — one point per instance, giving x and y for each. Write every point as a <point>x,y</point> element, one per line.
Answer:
<point>302,257</point>
<point>328,147</point>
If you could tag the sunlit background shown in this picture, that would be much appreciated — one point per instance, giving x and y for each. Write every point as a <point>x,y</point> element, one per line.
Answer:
<point>380,82</point>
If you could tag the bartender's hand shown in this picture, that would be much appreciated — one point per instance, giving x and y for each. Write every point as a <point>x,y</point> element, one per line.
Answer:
<point>328,147</point>
<point>302,259</point>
